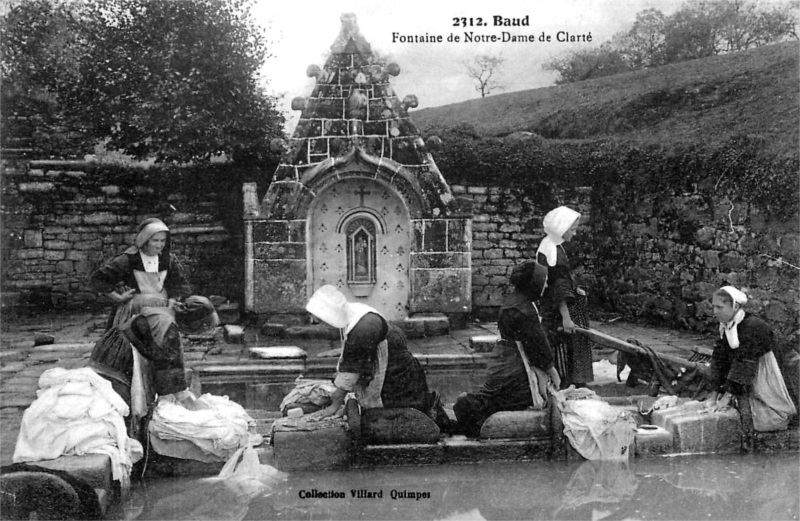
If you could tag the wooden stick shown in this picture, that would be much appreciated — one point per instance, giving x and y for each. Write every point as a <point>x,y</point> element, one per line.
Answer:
<point>626,347</point>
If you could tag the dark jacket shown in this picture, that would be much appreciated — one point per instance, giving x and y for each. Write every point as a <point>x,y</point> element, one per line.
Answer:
<point>734,370</point>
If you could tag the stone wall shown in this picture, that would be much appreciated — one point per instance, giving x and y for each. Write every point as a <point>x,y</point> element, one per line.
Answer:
<point>645,258</point>
<point>506,230</point>
<point>640,258</point>
<point>61,220</point>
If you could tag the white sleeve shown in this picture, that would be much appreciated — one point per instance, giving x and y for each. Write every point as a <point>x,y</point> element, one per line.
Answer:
<point>346,381</point>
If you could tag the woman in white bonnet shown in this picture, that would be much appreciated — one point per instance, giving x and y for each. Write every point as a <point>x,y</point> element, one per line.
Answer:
<point>145,274</point>
<point>743,366</point>
<point>375,363</point>
<point>564,303</point>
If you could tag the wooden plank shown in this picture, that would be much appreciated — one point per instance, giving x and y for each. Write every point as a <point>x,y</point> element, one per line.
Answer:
<point>626,347</point>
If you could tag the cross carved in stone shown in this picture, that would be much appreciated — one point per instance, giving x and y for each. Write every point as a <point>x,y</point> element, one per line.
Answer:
<point>361,192</point>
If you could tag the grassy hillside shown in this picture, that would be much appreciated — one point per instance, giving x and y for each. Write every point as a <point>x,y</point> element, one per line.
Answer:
<point>705,101</point>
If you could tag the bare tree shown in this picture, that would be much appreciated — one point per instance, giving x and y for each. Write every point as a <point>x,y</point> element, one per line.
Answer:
<point>482,70</point>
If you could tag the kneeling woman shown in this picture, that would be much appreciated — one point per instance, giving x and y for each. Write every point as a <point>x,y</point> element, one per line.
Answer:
<point>375,362</point>
<point>507,387</point>
<point>744,367</point>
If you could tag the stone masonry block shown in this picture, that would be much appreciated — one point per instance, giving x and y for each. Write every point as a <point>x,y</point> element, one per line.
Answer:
<point>101,218</point>
<point>36,187</point>
<point>324,447</point>
<point>435,236</point>
<point>652,440</point>
<point>662,417</point>
<point>729,431</point>
<point>33,239</point>
<point>233,334</point>
<point>516,424</point>
<point>440,260</point>
<point>279,250</point>
<point>398,425</point>
<point>483,343</point>
<point>706,431</point>
<point>279,286</point>
<point>441,290</point>
<point>95,469</point>
<point>458,235</point>
<point>404,454</point>
<point>270,231</point>
<point>787,441</point>
<point>436,324</point>
<point>422,325</point>
<point>689,431</point>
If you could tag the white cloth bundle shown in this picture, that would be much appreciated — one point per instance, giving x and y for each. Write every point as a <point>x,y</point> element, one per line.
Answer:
<point>213,433</point>
<point>77,412</point>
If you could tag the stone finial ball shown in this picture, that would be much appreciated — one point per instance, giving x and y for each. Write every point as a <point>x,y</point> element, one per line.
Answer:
<point>277,144</point>
<point>434,142</point>
<point>299,103</point>
<point>393,69</point>
<point>410,101</point>
<point>313,71</point>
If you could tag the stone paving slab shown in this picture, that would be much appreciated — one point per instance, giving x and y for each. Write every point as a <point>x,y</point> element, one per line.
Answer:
<point>12,367</point>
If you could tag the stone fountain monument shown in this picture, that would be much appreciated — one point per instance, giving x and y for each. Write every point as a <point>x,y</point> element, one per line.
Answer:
<point>358,202</point>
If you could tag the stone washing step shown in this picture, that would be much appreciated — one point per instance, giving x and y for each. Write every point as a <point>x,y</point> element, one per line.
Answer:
<point>95,469</point>
<point>416,326</point>
<point>455,449</point>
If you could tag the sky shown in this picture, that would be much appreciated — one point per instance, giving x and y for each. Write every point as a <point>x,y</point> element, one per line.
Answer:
<point>301,33</point>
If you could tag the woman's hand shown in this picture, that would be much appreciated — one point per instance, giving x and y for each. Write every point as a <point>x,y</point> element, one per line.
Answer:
<point>331,353</point>
<point>723,402</point>
<point>334,409</point>
<point>122,294</point>
<point>331,410</point>
<point>568,325</point>
<point>711,400</point>
<point>554,377</point>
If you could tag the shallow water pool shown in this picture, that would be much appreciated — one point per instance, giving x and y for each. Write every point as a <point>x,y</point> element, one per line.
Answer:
<point>752,487</point>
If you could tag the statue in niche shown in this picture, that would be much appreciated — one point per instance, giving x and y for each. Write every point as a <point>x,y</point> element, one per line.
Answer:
<point>361,261</point>
<point>361,257</point>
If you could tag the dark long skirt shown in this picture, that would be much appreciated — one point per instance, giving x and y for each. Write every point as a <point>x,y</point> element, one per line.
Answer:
<point>405,383</point>
<point>112,358</point>
<point>506,389</point>
<point>573,353</point>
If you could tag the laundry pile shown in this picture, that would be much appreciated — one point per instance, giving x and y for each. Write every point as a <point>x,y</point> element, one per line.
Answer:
<point>597,430</point>
<point>77,412</point>
<point>211,429</point>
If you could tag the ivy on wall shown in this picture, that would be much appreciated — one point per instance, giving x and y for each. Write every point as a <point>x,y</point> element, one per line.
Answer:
<point>739,169</point>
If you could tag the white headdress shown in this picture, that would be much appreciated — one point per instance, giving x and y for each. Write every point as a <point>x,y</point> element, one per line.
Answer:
<point>556,223</point>
<point>329,305</point>
<point>730,330</point>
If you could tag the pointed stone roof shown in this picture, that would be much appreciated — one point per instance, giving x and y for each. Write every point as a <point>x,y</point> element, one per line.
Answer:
<point>353,114</point>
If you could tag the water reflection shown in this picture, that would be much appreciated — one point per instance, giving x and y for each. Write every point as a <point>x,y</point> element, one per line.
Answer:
<point>686,488</point>
<point>596,482</point>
